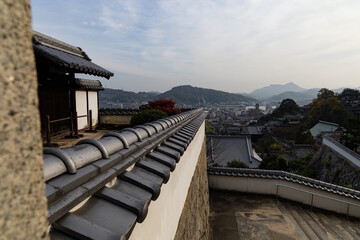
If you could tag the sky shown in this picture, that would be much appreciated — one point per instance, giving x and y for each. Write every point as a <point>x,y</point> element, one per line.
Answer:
<point>229,45</point>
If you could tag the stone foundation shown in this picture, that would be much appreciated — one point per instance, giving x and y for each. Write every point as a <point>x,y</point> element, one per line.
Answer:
<point>194,220</point>
<point>333,168</point>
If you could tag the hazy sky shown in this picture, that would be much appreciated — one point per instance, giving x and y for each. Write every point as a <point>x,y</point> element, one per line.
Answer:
<point>230,45</point>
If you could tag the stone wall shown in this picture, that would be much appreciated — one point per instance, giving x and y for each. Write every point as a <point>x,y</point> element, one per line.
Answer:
<point>333,168</point>
<point>23,207</point>
<point>194,220</point>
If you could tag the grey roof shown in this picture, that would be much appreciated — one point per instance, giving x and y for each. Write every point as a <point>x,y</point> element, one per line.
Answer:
<point>66,55</point>
<point>225,149</point>
<point>85,84</point>
<point>252,130</point>
<point>74,174</point>
<point>276,174</point>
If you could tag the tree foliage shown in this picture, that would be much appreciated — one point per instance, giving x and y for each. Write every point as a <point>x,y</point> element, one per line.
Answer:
<point>286,133</point>
<point>326,107</point>
<point>146,116</point>
<point>274,162</point>
<point>351,138</point>
<point>299,166</point>
<point>208,128</point>
<point>236,164</point>
<point>348,96</point>
<point>325,93</point>
<point>167,106</point>
<point>302,166</point>
<point>287,106</point>
<point>304,137</point>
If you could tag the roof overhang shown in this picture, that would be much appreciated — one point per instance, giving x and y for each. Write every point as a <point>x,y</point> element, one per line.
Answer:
<point>67,56</point>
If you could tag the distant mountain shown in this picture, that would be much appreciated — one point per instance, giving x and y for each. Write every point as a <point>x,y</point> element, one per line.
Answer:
<point>110,97</point>
<point>274,89</point>
<point>194,95</point>
<point>299,97</point>
<point>181,95</point>
<point>153,92</point>
<point>337,90</point>
<point>312,91</point>
<point>278,92</point>
<point>245,94</point>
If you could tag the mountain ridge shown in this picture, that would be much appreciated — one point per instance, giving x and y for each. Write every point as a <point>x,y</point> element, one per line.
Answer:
<point>196,96</point>
<point>187,94</point>
<point>184,94</point>
<point>274,89</point>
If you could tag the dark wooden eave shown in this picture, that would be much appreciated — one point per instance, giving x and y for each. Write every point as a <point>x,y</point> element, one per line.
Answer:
<point>67,56</point>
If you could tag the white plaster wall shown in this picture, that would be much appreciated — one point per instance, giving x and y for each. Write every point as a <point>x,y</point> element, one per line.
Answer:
<point>289,190</point>
<point>93,105</point>
<point>81,108</point>
<point>164,213</point>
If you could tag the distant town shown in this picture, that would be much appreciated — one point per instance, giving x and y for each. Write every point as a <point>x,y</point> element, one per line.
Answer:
<point>278,127</point>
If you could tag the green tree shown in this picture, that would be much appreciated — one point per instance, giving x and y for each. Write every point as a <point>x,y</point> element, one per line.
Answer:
<point>351,138</point>
<point>287,106</point>
<point>146,116</point>
<point>325,93</point>
<point>304,137</point>
<point>302,166</point>
<point>274,162</point>
<point>348,96</point>
<point>326,107</point>
<point>208,128</point>
<point>236,164</point>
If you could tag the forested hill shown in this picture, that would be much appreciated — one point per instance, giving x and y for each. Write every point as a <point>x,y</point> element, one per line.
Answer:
<point>121,96</point>
<point>181,95</point>
<point>194,95</point>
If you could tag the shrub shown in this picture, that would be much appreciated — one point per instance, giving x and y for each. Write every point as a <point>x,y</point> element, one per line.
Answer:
<point>146,116</point>
<point>309,172</point>
<point>274,162</point>
<point>349,186</point>
<point>216,165</point>
<point>236,164</point>
<point>276,147</point>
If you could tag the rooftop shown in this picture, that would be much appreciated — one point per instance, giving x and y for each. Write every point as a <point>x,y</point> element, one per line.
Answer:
<point>85,84</point>
<point>236,215</point>
<point>66,55</point>
<point>225,149</point>
<point>323,126</point>
<point>100,189</point>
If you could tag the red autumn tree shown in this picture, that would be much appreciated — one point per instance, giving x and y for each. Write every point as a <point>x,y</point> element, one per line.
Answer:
<point>167,106</point>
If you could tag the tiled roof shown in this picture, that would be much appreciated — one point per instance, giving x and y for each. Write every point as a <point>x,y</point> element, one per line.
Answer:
<point>84,171</point>
<point>66,55</point>
<point>276,174</point>
<point>323,126</point>
<point>117,111</point>
<point>225,149</point>
<point>252,130</point>
<point>85,84</point>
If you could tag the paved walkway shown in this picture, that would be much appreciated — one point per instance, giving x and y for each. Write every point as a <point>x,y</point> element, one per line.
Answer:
<point>69,142</point>
<point>235,215</point>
